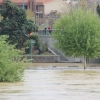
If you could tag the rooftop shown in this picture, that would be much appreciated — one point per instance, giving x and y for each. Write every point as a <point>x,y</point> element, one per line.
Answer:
<point>16,1</point>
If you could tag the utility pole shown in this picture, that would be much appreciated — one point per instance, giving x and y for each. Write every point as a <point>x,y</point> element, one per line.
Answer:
<point>35,11</point>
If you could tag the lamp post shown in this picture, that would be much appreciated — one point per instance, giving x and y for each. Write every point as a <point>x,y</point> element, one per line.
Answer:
<point>31,47</point>
<point>23,4</point>
<point>78,3</point>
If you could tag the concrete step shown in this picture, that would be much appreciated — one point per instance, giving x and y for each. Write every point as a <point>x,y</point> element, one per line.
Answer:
<point>62,57</point>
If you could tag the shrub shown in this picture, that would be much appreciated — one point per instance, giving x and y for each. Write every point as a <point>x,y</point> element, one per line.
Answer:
<point>44,47</point>
<point>11,68</point>
<point>26,46</point>
<point>37,41</point>
<point>38,44</point>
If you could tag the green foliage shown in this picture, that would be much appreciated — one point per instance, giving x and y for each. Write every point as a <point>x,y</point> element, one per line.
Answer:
<point>30,14</point>
<point>36,39</point>
<point>26,46</point>
<point>44,47</point>
<point>78,34</point>
<point>11,68</point>
<point>15,23</point>
<point>1,17</point>
<point>37,44</point>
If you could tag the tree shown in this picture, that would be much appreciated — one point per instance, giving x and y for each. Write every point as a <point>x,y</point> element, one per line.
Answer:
<point>78,34</point>
<point>1,18</point>
<point>15,23</point>
<point>30,14</point>
<point>11,68</point>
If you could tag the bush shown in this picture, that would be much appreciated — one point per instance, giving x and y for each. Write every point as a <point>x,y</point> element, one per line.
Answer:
<point>37,41</point>
<point>44,47</point>
<point>11,68</point>
<point>26,46</point>
<point>38,44</point>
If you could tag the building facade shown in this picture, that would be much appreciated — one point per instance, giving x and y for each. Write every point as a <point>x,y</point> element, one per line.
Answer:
<point>51,18</point>
<point>38,9</point>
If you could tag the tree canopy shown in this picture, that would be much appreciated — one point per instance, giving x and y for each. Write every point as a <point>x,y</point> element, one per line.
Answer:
<point>30,15</point>
<point>78,34</point>
<point>15,23</point>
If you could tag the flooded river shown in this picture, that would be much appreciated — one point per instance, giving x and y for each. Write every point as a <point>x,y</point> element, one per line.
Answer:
<point>54,83</point>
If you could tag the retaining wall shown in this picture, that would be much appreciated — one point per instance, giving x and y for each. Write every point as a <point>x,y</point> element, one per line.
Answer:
<point>43,58</point>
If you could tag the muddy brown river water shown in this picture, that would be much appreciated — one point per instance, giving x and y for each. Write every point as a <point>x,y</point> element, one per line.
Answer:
<point>54,83</point>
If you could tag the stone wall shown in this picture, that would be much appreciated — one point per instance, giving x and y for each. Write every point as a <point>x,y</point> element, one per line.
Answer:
<point>47,39</point>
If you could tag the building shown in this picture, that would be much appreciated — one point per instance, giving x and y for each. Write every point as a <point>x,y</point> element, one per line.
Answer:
<point>40,13</point>
<point>38,8</point>
<point>93,1</point>
<point>51,18</point>
<point>89,3</point>
<point>71,1</point>
<point>33,5</point>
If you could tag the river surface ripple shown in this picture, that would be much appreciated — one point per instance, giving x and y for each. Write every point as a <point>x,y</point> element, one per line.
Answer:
<point>54,84</point>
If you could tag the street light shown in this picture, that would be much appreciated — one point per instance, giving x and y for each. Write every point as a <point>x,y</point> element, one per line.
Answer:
<point>23,4</point>
<point>31,47</point>
<point>78,3</point>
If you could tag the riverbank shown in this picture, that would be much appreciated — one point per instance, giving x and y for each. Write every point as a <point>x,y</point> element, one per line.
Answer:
<point>62,65</point>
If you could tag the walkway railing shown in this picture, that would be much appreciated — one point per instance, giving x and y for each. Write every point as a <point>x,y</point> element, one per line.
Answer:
<point>43,32</point>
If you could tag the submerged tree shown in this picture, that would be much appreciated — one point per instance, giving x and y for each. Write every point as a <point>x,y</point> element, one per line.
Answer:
<point>15,23</point>
<point>78,34</point>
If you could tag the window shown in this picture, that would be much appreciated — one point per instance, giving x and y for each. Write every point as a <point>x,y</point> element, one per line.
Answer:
<point>40,15</point>
<point>0,6</point>
<point>25,6</point>
<point>36,15</point>
<point>40,7</point>
<point>36,7</point>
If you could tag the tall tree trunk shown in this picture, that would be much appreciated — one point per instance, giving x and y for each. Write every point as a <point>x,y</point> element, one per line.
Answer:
<point>84,62</point>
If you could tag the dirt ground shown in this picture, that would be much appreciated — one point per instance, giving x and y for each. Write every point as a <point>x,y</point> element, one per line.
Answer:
<point>35,52</point>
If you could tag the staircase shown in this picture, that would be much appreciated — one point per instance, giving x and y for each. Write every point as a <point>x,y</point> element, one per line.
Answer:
<point>50,43</point>
<point>62,57</point>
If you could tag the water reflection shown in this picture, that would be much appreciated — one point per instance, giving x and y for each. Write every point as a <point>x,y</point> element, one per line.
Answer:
<point>54,84</point>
